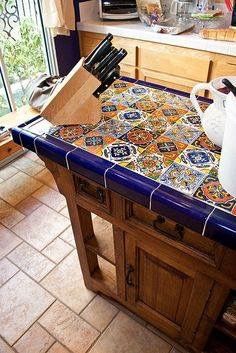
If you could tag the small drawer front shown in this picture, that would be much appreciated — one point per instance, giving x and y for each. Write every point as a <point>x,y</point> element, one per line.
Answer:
<point>92,192</point>
<point>156,224</point>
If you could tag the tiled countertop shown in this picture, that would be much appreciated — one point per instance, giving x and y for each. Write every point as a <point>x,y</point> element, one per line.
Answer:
<point>137,30</point>
<point>149,147</point>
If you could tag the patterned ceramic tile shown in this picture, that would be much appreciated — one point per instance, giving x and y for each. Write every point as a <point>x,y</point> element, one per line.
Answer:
<point>171,112</point>
<point>211,191</point>
<point>133,116</point>
<point>199,159</point>
<point>121,152</point>
<point>169,148</point>
<point>203,142</point>
<point>191,120</point>
<point>147,105</point>
<point>158,125</point>
<point>70,133</point>
<point>94,142</point>
<point>114,127</point>
<point>183,133</point>
<point>120,86</point>
<point>139,137</point>
<point>182,178</point>
<point>110,109</point>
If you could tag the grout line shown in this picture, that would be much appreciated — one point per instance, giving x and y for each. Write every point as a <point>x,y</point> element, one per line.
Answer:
<point>66,157</point>
<point>35,147</point>
<point>5,257</point>
<point>206,221</point>
<point>8,345</point>
<point>150,200</point>
<point>105,173</point>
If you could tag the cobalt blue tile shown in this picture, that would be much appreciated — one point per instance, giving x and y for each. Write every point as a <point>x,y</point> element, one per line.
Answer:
<point>181,208</point>
<point>151,85</point>
<point>130,185</point>
<point>88,165</point>
<point>221,227</point>
<point>179,93</point>
<point>53,149</point>
<point>205,100</point>
<point>15,132</point>
<point>128,79</point>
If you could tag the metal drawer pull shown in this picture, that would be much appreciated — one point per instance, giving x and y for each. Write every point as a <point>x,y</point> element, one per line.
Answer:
<point>82,185</point>
<point>128,277</point>
<point>180,231</point>
<point>159,220</point>
<point>100,196</point>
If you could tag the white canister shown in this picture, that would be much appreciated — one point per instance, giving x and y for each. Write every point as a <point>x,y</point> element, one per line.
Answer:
<point>227,168</point>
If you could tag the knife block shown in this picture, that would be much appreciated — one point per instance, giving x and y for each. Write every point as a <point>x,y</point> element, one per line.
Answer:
<point>73,101</point>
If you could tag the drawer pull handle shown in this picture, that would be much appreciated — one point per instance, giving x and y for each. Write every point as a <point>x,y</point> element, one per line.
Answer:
<point>159,220</point>
<point>180,231</point>
<point>100,196</point>
<point>128,278</point>
<point>82,185</point>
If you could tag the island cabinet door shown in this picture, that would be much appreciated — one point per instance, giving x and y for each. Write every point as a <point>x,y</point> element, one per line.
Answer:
<point>159,287</point>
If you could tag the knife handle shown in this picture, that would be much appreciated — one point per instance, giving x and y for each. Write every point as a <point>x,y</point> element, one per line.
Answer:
<point>113,63</point>
<point>108,80</point>
<point>101,49</point>
<point>105,61</point>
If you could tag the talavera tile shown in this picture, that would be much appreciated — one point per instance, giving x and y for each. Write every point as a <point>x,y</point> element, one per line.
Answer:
<point>126,335</point>
<point>41,227</point>
<point>8,241</point>
<point>57,250</point>
<point>99,313</point>
<point>31,261</point>
<point>22,301</point>
<point>35,340</point>
<point>68,328</point>
<point>9,216</point>
<point>66,283</point>
<point>50,198</point>
<point>18,187</point>
<point>7,270</point>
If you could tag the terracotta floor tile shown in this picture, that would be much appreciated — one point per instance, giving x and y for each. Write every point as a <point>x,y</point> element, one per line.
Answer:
<point>50,198</point>
<point>18,187</point>
<point>57,250</point>
<point>68,236</point>
<point>7,270</point>
<point>65,212</point>
<point>35,340</point>
<point>9,216</point>
<point>31,261</point>
<point>22,301</point>
<point>66,283</point>
<point>57,348</point>
<point>99,313</point>
<point>41,227</point>
<point>28,205</point>
<point>126,335</point>
<point>33,156</point>
<point>68,328</point>
<point>7,172</point>
<point>4,348</point>
<point>46,178</point>
<point>8,241</point>
<point>27,166</point>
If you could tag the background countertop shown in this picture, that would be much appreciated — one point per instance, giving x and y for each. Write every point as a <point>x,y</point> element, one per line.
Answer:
<point>137,30</point>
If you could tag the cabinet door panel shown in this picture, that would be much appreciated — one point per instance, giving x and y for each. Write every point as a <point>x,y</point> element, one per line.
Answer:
<point>173,299</point>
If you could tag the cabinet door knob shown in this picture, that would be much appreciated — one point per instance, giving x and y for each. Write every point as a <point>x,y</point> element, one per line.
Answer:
<point>82,184</point>
<point>128,277</point>
<point>180,231</point>
<point>159,220</point>
<point>100,195</point>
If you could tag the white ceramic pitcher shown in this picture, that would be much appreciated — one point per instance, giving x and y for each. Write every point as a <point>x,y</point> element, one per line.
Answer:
<point>214,117</point>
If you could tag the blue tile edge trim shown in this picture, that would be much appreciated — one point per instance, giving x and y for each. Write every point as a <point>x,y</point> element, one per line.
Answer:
<point>181,208</point>
<point>151,85</point>
<point>131,185</point>
<point>221,227</point>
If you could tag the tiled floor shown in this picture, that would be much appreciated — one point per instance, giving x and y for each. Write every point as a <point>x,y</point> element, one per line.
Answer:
<point>44,305</point>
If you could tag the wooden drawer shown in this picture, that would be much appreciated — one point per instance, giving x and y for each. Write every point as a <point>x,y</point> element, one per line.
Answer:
<point>7,148</point>
<point>175,61</point>
<point>88,41</point>
<point>158,225</point>
<point>92,193</point>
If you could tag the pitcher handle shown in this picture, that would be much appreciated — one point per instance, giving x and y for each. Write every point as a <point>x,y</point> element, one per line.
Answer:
<point>193,98</point>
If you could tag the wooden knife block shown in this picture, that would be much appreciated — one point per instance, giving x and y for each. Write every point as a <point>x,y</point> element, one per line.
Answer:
<point>73,101</point>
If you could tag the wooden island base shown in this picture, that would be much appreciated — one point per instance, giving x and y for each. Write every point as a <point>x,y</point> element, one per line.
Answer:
<point>174,278</point>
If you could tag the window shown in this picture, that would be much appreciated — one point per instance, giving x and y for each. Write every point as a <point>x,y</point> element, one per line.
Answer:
<point>26,50</point>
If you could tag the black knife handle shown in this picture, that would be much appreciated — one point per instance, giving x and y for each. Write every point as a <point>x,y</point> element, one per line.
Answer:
<point>101,49</point>
<point>108,80</point>
<point>105,61</point>
<point>113,63</point>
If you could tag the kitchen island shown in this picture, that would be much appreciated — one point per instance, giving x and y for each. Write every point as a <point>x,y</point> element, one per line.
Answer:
<point>168,248</point>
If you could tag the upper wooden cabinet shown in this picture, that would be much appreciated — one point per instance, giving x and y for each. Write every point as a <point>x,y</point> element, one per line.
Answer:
<point>168,65</point>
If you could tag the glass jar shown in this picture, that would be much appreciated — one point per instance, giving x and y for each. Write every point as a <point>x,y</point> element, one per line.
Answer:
<point>153,11</point>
